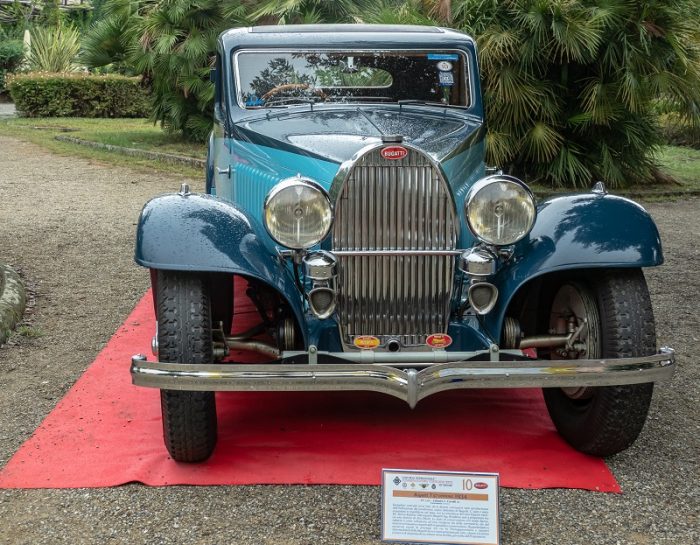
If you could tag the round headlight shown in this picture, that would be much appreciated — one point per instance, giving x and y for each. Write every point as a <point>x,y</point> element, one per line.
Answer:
<point>298,213</point>
<point>500,210</point>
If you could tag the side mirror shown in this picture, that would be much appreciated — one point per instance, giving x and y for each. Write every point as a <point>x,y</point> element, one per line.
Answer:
<point>212,75</point>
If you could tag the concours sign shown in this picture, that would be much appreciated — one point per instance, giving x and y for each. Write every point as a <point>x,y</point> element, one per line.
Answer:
<point>440,507</point>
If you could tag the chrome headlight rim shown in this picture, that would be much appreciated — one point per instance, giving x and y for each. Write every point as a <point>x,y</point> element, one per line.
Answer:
<point>295,181</point>
<point>486,181</point>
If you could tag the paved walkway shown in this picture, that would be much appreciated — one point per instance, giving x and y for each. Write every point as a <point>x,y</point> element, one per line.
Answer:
<point>7,109</point>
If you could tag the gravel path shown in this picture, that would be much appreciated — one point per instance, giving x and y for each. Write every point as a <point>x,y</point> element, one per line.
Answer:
<point>68,226</point>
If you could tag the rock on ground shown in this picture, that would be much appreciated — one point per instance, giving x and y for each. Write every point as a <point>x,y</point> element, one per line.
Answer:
<point>12,300</point>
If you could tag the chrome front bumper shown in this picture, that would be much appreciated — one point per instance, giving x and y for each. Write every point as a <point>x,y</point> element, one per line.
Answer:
<point>367,370</point>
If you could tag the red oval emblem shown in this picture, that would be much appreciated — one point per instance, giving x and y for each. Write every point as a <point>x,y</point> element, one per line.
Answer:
<point>481,486</point>
<point>439,340</point>
<point>394,152</point>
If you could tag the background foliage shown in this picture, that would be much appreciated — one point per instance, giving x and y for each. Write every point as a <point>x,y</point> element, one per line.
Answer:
<point>11,55</point>
<point>571,87</point>
<point>106,45</point>
<point>574,89</point>
<point>175,43</point>
<point>77,95</point>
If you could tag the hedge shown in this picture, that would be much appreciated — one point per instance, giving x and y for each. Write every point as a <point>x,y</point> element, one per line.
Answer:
<point>41,94</point>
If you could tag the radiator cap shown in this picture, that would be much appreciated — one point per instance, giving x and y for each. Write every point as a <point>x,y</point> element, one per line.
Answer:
<point>392,138</point>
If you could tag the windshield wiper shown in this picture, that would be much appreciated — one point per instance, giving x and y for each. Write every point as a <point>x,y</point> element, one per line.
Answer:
<point>289,101</point>
<point>342,99</point>
<point>415,101</point>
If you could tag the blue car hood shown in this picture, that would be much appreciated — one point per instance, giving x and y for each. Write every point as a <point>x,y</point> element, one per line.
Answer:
<point>337,134</point>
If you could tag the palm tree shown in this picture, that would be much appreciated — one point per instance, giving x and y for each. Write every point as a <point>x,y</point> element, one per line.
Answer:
<point>107,42</point>
<point>570,86</point>
<point>175,50</point>
<point>172,43</point>
<point>308,11</point>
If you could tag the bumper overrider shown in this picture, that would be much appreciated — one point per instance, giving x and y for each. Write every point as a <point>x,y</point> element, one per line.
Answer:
<point>410,376</point>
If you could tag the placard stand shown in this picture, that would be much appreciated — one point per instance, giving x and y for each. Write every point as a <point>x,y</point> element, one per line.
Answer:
<point>440,507</point>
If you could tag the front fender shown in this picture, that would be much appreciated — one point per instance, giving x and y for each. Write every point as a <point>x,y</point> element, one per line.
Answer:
<point>193,232</point>
<point>578,232</point>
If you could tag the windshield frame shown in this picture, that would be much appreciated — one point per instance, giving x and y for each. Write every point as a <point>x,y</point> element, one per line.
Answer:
<point>469,85</point>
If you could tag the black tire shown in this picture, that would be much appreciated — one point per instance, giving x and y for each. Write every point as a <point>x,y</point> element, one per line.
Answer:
<point>606,420</point>
<point>185,336</point>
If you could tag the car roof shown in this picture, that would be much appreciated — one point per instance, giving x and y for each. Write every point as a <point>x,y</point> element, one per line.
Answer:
<point>344,36</point>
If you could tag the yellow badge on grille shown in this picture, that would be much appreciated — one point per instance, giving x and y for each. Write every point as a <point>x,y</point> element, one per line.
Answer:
<point>366,342</point>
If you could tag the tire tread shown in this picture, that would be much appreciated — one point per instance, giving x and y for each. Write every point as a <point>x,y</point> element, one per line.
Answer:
<point>185,336</point>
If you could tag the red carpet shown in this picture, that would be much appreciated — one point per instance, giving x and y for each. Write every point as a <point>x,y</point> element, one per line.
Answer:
<point>106,432</point>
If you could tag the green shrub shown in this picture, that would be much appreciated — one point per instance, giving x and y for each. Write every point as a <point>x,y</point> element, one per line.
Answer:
<point>11,55</point>
<point>54,49</point>
<point>40,94</point>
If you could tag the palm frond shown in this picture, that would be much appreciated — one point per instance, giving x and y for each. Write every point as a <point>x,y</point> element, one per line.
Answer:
<point>567,169</point>
<point>542,142</point>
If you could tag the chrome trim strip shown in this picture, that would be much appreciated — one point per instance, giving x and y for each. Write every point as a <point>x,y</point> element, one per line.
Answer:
<point>397,252</point>
<point>407,384</point>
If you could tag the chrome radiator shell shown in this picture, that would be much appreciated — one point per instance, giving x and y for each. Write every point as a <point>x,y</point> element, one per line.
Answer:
<point>395,234</point>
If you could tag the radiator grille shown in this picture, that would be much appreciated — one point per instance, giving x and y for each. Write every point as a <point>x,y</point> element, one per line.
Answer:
<point>394,205</point>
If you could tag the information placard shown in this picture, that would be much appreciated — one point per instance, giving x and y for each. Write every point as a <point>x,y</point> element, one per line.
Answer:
<point>440,507</point>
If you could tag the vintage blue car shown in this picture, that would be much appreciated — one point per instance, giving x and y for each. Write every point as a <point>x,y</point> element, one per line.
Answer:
<point>346,184</point>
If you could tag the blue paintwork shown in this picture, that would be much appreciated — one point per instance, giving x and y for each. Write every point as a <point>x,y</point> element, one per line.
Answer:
<point>257,169</point>
<point>224,232</point>
<point>202,233</point>
<point>578,232</point>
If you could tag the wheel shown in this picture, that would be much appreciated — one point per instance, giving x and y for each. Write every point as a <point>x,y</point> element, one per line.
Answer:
<point>185,336</point>
<point>613,310</point>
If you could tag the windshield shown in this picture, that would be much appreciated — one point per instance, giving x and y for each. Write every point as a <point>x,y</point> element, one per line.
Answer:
<point>268,79</point>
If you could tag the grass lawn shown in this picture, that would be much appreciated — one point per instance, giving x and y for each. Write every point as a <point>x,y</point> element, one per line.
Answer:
<point>681,163</point>
<point>129,133</point>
